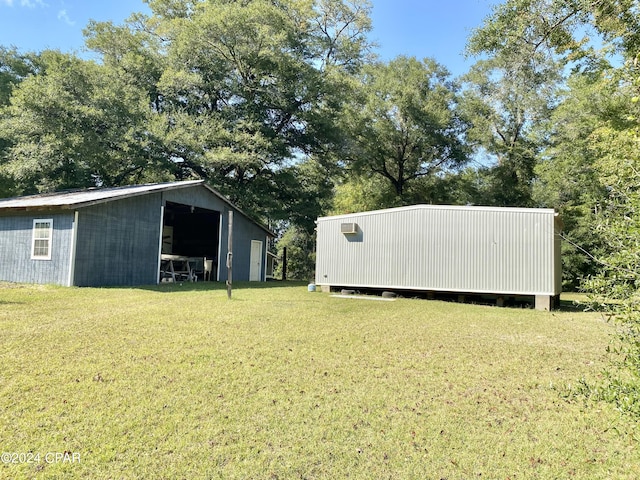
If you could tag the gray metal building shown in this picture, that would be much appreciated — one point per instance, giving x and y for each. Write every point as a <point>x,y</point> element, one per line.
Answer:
<point>116,236</point>
<point>463,249</point>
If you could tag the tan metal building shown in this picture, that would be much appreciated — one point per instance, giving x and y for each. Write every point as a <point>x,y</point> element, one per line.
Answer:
<point>442,248</point>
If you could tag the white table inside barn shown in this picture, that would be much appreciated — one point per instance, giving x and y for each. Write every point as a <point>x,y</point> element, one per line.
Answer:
<point>176,267</point>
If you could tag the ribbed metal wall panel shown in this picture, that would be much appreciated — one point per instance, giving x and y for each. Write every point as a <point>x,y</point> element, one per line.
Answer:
<point>444,248</point>
<point>117,242</point>
<point>244,230</point>
<point>16,264</point>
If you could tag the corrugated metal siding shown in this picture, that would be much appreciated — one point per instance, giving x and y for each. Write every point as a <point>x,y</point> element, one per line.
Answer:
<point>463,249</point>
<point>117,242</point>
<point>244,230</point>
<point>16,264</point>
<point>63,200</point>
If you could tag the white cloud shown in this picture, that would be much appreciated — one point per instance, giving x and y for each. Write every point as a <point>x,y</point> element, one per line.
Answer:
<point>31,3</point>
<point>62,15</point>
<point>25,3</point>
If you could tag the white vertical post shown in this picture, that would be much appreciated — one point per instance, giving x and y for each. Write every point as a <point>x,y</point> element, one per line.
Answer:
<point>230,256</point>
<point>160,245</point>
<point>219,261</point>
<point>72,256</point>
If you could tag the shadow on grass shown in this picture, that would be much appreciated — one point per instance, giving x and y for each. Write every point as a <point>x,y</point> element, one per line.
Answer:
<point>171,287</point>
<point>9,285</point>
<point>569,302</point>
<point>571,306</point>
<point>579,303</point>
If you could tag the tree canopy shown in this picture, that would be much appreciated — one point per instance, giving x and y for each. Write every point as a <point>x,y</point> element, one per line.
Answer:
<point>241,88</point>
<point>76,123</point>
<point>403,124</point>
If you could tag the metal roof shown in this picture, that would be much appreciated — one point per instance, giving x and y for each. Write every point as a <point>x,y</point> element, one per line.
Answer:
<point>70,200</point>
<point>387,211</point>
<point>90,196</point>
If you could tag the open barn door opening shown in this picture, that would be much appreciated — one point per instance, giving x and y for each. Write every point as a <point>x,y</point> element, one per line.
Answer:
<point>194,233</point>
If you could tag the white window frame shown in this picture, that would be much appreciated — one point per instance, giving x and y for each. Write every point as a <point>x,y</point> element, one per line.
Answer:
<point>48,239</point>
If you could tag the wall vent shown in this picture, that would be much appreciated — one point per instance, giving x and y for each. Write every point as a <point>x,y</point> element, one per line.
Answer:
<point>348,228</point>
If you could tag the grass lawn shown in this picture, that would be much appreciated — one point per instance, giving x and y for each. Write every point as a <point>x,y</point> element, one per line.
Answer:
<point>177,382</point>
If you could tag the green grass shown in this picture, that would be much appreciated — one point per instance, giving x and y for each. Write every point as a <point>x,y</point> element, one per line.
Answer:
<point>178,382</point>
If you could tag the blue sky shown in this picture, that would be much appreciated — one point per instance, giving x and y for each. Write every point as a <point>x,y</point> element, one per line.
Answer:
<point>421,28</point>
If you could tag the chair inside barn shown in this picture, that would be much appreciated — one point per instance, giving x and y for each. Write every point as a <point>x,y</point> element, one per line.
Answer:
<point>208,268</point>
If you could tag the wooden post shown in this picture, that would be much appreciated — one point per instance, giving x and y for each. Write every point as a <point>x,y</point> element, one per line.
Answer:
<point>284,263</point>
<point>230,256</point>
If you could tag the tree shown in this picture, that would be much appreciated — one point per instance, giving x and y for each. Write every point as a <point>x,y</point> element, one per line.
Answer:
<point>615,289</point>
<point>77,124</point>
<point>616,142</point>
<point>14,67</point>
<point>511,93</point>
<point>404,125</point>
<point>568,178</point>
<point>304,192</point>
<point>242,88</point>
<point>508,110</point>
<point>301,257</point>
<point>611,146</point>
<point>359,193</point>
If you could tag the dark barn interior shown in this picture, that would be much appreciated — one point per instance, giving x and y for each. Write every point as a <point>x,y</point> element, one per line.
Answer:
<point>192,232</point>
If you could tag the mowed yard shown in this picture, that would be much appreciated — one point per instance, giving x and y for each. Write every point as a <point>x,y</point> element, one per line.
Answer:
<point>177,382</point>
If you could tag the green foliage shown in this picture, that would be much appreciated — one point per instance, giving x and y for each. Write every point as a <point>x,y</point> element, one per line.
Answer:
<point>403,124</point>
<point>616,288</point>
<point>568,179</point>
<point>466,187</point>
<point>301,257</point>
<point>76,124</point>
<point>508,104</point>
<point>237,93</point>
<point>242,88</point>
<point>135,54</point>
<point>14,67</point>
<point>305,195</point>
<point>361,194</point>
<point>293,195</point>
<point>521,28</point>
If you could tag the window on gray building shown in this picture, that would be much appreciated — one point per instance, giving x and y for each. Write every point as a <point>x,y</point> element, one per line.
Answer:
<point>41,245</point>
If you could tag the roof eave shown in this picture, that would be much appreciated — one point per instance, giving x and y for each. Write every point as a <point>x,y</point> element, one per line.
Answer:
<point>160,189</point>
<point>43,208</point>
<point>236,208</point>
<point>165,188</point>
